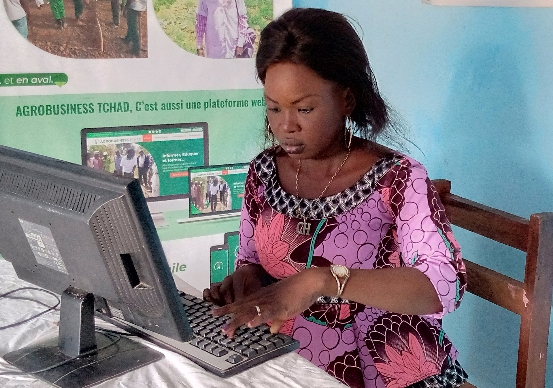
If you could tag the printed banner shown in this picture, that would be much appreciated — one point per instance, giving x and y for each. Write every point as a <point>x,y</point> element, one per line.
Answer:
<point>161,90</point>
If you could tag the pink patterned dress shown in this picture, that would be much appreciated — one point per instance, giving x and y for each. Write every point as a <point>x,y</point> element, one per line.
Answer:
<point>391,217</point>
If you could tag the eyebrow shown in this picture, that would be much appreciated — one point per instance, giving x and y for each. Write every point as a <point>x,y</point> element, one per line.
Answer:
<point>293,102</point>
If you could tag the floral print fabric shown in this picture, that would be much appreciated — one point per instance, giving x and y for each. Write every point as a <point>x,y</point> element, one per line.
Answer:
<point>391,217</point>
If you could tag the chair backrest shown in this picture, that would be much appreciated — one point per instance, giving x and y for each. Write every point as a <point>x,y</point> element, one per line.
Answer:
<point>530,299</point>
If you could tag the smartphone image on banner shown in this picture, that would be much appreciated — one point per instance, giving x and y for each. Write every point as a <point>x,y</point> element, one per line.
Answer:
<point>219,262</point>
<point>232,239</point>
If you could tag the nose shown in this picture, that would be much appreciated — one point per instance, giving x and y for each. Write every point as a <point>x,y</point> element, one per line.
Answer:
<point>288,122</point>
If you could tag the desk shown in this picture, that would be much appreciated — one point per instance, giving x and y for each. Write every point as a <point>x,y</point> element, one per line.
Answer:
<point>290,370</point>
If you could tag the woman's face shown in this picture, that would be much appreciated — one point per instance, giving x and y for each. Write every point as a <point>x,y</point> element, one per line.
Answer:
<point>305,111</point>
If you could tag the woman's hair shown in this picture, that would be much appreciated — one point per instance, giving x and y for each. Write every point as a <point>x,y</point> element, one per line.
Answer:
<point>326,42</point>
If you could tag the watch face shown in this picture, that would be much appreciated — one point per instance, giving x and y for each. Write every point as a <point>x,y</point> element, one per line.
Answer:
<point>340,270</point>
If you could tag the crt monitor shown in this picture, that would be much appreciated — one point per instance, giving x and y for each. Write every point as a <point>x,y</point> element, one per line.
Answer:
<point>89,236</point>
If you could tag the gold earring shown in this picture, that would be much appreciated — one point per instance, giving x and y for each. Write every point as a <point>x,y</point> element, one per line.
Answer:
<point>270,135</point>
<point>348,132</point>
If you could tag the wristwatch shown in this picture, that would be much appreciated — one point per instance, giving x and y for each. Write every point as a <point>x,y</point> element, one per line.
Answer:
<point>341,274</point>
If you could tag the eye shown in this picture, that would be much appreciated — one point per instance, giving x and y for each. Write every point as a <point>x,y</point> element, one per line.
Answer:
<point>273,110</point>
<point>305,110</point>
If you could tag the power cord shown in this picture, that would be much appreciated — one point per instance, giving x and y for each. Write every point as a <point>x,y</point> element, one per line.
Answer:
<point>49,308</point>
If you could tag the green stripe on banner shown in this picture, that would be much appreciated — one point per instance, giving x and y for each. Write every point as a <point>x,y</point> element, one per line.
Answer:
<point>33,79</point>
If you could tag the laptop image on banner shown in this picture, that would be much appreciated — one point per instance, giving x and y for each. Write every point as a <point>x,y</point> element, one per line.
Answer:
<point>161,154</point>
<point>215,191</point>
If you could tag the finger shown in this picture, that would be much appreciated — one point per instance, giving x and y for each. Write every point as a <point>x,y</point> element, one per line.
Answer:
<point>223,310</point>
<point>276,325</point>
<point>237,320</point>
<point>215,293</point>
<point>227,290</point>
<point>262,315</point>
<point>207,295</point>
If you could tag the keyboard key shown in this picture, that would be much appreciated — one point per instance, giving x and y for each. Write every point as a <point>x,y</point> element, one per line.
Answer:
<point>267,344</point>
<point>246,342</point>
<point>235,358</point>
<point>219,352</point>
<point>209,347</point>
<point>204,332</point>
<point>214,336</point>
<point>195,341</point>
<point>234,345</point>
<point>258,348</point>
<point>277,341</point>
<point>286,339</point>
<point>226,341</point>
<point>249,352</point>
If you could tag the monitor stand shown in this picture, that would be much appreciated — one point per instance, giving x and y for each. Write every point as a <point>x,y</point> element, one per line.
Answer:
<point>81,356</point>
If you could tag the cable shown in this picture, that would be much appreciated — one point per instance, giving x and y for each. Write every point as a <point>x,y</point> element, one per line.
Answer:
<point>49,308</point>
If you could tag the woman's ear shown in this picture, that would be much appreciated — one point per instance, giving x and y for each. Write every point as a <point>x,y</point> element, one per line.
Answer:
<point>349,99</point>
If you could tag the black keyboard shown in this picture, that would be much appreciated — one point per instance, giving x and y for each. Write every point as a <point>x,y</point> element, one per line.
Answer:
<point>225,356</point>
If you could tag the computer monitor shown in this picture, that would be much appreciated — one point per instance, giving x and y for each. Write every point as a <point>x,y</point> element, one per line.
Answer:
<point>216,191</point>
<point>169,150</point>
<point>87,235</point>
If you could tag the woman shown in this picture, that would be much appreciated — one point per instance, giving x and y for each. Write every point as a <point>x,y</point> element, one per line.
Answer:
<point>344,244</point>
<point>220,28</point>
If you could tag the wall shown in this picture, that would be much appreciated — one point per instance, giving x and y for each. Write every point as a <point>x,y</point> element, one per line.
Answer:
<point>474,86</point>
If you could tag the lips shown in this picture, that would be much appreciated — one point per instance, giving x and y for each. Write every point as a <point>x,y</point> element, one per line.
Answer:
<point>292,146</point>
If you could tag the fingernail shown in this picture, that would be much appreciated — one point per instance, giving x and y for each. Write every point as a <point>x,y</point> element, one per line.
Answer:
<point>225,327</point>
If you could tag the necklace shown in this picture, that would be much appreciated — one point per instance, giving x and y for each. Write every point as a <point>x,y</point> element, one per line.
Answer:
<point>304,227</point>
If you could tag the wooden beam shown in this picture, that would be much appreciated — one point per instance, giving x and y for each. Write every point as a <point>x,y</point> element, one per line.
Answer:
<point>495,287</point>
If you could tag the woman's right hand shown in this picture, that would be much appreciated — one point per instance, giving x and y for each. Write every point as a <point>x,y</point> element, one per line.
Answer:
<point>243,282</point>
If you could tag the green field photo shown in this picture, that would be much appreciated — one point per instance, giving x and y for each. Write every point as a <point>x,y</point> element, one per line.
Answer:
<point>178,19</point>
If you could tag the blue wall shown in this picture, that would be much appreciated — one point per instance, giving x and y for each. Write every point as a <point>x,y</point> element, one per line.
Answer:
<point>474,86</point>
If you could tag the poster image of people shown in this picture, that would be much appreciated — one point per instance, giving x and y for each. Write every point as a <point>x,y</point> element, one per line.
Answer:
<point>210,194</point>
<point>83,28</point>
<point>128,160</point>
<point>215,28</point>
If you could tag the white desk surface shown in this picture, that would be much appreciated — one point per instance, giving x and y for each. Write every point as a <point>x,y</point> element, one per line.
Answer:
<point>290,370</point>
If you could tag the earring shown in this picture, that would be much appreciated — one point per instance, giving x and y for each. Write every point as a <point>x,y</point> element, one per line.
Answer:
<point>269,135</point>
<point>348,132</point>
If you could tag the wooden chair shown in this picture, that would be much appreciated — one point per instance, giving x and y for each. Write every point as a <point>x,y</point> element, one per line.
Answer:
<point>530,299</point>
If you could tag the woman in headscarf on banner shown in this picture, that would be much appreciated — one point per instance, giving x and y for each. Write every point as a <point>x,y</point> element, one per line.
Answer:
<point>221,28</point>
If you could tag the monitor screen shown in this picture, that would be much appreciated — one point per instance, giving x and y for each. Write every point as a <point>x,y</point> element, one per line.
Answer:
<point>77,231</point>
<point>217,190</point>
<point>160,154</point>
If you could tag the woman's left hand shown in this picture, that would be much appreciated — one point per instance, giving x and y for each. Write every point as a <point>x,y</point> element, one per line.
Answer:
<point>275,303</point>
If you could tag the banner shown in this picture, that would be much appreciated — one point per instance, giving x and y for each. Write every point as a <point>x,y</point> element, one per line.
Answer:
<point>158,89</point>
